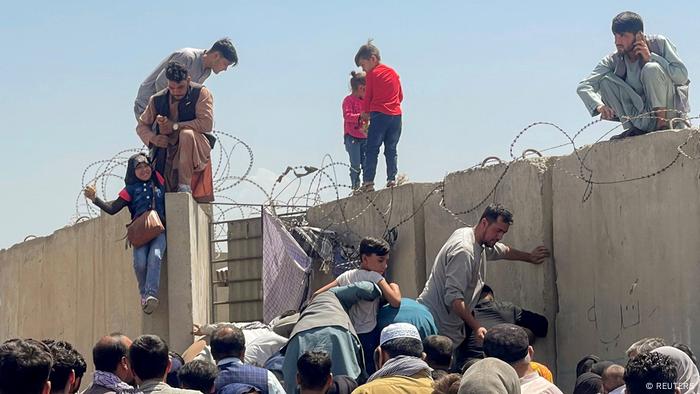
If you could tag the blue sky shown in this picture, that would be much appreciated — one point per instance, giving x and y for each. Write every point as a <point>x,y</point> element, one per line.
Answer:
<point>474,74</point>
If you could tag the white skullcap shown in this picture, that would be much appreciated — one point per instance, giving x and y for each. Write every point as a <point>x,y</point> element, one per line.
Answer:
<point>398,330</point>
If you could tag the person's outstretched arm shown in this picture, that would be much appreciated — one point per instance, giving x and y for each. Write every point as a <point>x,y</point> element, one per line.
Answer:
<point>111,207</point>
<point>505,252</point>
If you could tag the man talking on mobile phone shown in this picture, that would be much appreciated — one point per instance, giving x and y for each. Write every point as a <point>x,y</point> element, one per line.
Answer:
<point>644,84</point>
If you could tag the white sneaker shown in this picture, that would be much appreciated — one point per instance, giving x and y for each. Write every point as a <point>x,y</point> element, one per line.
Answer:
<point>150,305</point>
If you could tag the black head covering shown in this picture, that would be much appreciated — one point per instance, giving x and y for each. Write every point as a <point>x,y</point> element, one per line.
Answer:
<point>588,383</point>
<point>135,160</point>
<point>586,364</point>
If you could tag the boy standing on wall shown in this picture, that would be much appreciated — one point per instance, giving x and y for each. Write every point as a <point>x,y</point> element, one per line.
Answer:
<point>382,107</point>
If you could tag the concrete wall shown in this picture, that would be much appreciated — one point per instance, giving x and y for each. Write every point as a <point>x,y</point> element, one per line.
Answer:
<point>78,283</point>
<point>624,266</point>
<point>624,263</point>
<point>628,258</point>
<point>189,264</point>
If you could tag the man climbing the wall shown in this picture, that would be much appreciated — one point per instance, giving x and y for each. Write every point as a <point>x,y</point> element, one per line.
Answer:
<point>458,274</point>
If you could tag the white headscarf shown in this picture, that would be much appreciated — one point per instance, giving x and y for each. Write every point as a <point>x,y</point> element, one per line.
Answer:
<point>688,375</point>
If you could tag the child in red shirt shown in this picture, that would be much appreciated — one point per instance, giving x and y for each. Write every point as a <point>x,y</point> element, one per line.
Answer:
<point>382,107</point>
<point>355,134</point>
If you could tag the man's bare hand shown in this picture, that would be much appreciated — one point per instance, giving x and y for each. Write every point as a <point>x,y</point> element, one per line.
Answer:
<point>480,334</point>
<point>538,255</point>
<point>160,141</point>
<point>606,113</point>
<point>641,49</point>
<point>90,192</point>
<point>164,125</point>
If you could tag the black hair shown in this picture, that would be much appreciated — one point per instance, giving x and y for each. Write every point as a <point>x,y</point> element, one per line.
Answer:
<point>403,347</point>
<point>438,351</point>
<point>493,211</point>
<point>506,342</point>
<point>25,365</point>
<point>65,360</point>
<point>686,349</point>
<point>198,375</point>
<point>314,369</point>
<point>377,246</point>
<point>586,364</point>
<point>225,47</point>
<point>627,22</point>
<point>358,78</point>
<point>367,51</point>
<point>176,72</point>
<point>227,341</point>
<point>654,370</point>
<point>149,357</point>
<point>107,356</point>
<point>486,290</point>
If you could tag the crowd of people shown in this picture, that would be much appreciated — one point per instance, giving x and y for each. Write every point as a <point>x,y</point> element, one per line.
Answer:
<point>358,333</point>
<point>406,362</point>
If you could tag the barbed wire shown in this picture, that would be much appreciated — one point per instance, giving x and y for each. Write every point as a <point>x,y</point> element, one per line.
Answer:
<point>301,187</point>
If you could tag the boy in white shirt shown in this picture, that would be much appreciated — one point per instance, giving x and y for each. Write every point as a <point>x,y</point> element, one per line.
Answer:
<point>374,257</point>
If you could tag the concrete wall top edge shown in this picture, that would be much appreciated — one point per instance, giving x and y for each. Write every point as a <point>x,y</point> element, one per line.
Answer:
<point>43,238</point>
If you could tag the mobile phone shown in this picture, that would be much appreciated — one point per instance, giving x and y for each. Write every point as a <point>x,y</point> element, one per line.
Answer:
<point>640,36</point>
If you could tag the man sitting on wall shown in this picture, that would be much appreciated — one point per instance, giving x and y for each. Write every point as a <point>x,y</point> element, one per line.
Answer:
<point>182,116</point>
<point>644,77</point>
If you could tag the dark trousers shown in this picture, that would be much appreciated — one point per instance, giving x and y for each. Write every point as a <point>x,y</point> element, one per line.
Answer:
<point>383,129</point>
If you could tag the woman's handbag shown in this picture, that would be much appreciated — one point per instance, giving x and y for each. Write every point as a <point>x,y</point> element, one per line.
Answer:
<point>146,227</point>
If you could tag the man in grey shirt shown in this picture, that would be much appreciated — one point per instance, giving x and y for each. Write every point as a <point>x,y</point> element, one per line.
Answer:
<point>644,84</point>
<point>199,64</point>
<point>458,274</point>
